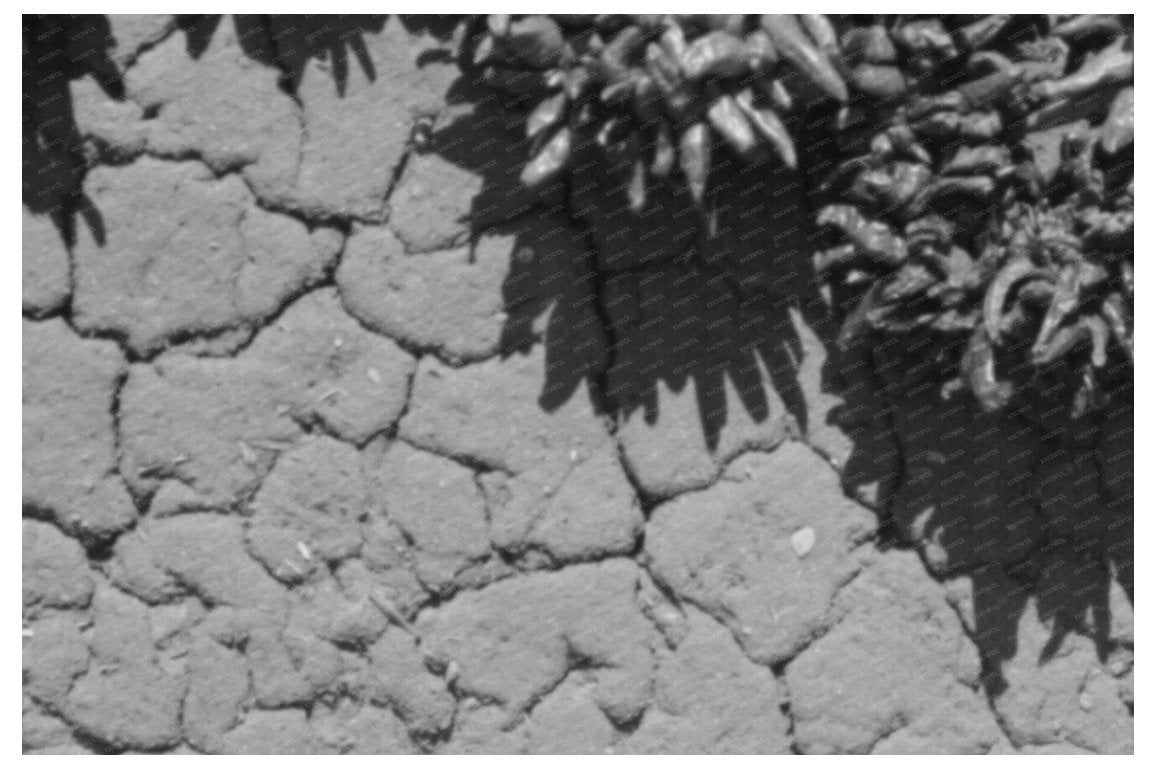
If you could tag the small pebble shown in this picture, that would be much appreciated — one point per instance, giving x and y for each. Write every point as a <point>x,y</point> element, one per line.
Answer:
<point>1085,701</point>
<point>803,540</point>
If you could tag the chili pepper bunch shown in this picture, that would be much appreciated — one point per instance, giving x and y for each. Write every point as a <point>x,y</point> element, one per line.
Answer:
<point>983,190</point>
<point>659,94</point>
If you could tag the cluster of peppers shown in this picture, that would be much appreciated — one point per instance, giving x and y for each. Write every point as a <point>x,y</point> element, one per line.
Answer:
<point>985,194</point>
<point>659,93</point>
<point>980,183</point>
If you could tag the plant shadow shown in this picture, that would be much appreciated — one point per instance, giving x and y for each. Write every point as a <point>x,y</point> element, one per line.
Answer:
<point>1025,516</point>
<point>56,50</point>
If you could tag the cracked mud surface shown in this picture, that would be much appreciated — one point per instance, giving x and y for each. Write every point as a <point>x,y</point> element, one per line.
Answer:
<point>335,441</point>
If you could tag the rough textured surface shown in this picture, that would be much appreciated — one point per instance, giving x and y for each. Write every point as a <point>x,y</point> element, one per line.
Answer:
<point>183,253</point>
<point>894,675</point>
<point>336,439</point>
<point>46,269</point>
<point>70,386</point>
<point>729,549</point>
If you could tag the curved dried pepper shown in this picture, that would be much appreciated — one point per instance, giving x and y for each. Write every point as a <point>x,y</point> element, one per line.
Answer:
<point>1111,66</point>
<point>978,160</point>
<point>715,53</point>
<point>978,366</point>
<point>791,41</point>
<point>1119,320</point>
<point>982,32</point>
<point>822,31</point>
<point>761,50</point>
<point>874,240</point>
<point>664,151</point>
<point>549,112</point>
<point>731,122</point>
<point>1059,343</point>
<point>535,40</point>
<point>993,302</point>
<point>883,81</point>
<point>1119,126</point>
<point>829,259</point>
<point>1098,333</point>
<point>869,45</point>
<point>856,322</point>
<point>1088,24</point>
<point>1064,302</point>
<point>550,161</point>
<point>636,187</point>
<point>694,158</point>
<point>771,127</point>
<point>623,49</point>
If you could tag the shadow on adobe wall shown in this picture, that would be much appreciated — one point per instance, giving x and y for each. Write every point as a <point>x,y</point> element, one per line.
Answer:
<point>683,300</point>
<point>1020,509</point>
<point>56,51</point>
<point>1026,505</point>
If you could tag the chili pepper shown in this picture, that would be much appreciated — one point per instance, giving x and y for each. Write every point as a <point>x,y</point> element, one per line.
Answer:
<point>1110,66</point>
<point>911,280</point>
<point>1064,302</point>
<point>954,321</point>
<point>981,187</point>
<point>869,45</point>
<point>761,50</point>
<point>613,130</point>
<point>549,112</point>
<point>922,106</point>
<point>535,40</point>
<point>498,24</point>
<point>1126,276</point>
<point>1037,293</point>
<point>694,158</point>
<point>792,43</point>
<point>903,138</point>
<point>1088,24</point>
<point>974,125</point>
<point>822,31</point>
<point>767,123</point>
<point>1058,343</point>
<point>621,89</point>
<point>856,321</point>
<point>993,302</point>
<point>1098,331</point>
<point>978,366</point>
<point>636,188</point>
<point>926,36</point>
<point>981,33</point>
<point>1119,126</point>
<point>978,160</point>
<point>715,53</point>
<point>829,259</point>
<point>875,240</point>
<point>1119,319</point>
<point>879,80</point>
<point>673,41</point>
<point>576,82</point>
<point>987,91</point>
<point>550,161</point>
<point>731,122</point>
<point>894,186</point>
<point>623,49</point>
<point>664,151</point>
<point>485,51</point>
